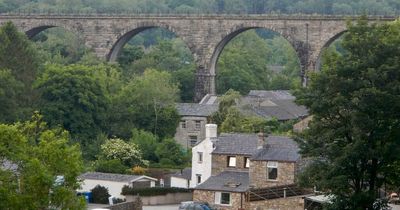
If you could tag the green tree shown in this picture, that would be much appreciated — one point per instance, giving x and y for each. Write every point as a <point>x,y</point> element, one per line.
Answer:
<point>10,88</point>
<point>37,156</point>
<point>73,98</point>
<point>18,55</point>
<point>147,143</point>
<point>171,153</point>
<point>128,153</point>
<point>355,101</point>
<point>148,103</point>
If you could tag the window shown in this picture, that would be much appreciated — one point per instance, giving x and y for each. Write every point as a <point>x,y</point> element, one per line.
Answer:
<point>183,124</point>
<point>197,124</point>
<point>200,157</point>
<point>192,140</point>
<point>222,198</point>
<point>247,162</point>
<point>198,176</point>
<point>231,161</point>
<point>272,170</point>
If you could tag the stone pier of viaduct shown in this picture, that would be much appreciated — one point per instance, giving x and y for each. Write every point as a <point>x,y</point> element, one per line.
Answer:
<point>205,35</point>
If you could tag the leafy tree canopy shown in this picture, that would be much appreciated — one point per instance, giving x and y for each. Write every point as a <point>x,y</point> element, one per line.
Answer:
<point>355,101</point>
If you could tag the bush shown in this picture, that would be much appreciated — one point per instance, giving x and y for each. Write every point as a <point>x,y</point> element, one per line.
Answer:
<point>137,170</point>
<point>154,191</point>
<point>110,166</point>
<point>100,194</point>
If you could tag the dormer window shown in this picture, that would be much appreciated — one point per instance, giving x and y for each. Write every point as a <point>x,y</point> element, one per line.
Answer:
<point>247,162</point>
<point>272,170</point>
<point>231,161</point>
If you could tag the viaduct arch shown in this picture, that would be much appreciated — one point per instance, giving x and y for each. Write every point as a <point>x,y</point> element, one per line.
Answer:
<point>205,35</point>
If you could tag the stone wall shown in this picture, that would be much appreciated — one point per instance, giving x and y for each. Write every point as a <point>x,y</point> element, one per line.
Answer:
<point>136,204</point>
<point>170,198</point>
<point>220,164</point>
<point>258,174</point>
<point>292,203</point>
<point>238,200</point>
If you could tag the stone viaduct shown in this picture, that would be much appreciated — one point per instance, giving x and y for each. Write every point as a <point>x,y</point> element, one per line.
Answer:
<point>205,35</point>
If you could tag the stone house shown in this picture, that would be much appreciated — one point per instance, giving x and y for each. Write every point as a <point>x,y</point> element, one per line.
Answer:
<point>194,117</point>
<point>278,104</point>
<point>246,171</point>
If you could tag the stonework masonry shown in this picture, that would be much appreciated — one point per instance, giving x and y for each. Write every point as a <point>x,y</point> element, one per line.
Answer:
<point>237,200</point>
<point>205,35</point>
<point>220,164</point>
<point>258,174</point>
<point>187,128</point>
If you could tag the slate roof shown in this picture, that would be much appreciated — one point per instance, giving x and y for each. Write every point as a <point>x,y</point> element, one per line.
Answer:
<point>193,109</point>
<point>185,174</point>
<point>236,143</point>
<point>112,177</point>
<point>278,149</point>
<point>228,181</point>
<point>267,104</point>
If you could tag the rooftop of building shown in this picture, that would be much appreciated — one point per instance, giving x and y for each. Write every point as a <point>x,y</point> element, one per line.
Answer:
<point>194,109</point>
<point>185,173</point>
<point>228,181</point>
<point>113,177</point>
<point>276,148</point>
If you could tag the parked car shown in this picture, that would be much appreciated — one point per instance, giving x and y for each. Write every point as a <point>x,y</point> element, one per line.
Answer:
<point>394,198</point>
<point>191,205</point>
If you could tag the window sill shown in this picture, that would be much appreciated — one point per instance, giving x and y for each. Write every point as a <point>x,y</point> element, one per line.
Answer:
<point>272,180</point>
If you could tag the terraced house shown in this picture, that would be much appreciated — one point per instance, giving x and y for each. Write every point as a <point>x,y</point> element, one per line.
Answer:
<point>246,171</point>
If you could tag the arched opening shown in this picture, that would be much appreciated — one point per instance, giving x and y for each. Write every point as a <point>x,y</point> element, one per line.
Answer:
<point>334,44</point>
<point>159,48</point>
<point>255,58</point>
<point>57,44</point>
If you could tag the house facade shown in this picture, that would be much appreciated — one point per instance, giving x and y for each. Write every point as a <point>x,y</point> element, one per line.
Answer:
<point>246,171</point>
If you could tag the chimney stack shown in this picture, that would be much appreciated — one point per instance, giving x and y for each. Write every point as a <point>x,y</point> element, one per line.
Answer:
<point>262,140</point>
<point>211,131</point>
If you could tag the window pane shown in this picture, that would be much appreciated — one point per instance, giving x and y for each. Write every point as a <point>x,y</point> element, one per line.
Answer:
<point>225,198</point>
<point>231,161</point>
<point>200,157</point>
<point>183,123</point>
<point>198,178</point>
<point>193,140</point>
<point>197,125</point>
<point>272,173</point>
<point>247,162</point>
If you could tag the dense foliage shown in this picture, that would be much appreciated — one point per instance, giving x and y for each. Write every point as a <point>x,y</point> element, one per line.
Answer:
<point>100,194</point>
<point>355,101</point>
<point>39,167</point>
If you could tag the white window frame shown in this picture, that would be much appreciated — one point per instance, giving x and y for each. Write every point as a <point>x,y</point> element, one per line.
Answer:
<point>199,157</point>
<point>246,162</point>
<point>218,197</point>
<point>197,125</point>
<point>232,161</point>
<point>273,165</point>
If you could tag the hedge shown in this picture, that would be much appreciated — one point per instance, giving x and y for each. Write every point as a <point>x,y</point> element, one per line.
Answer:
<point>153,191</point>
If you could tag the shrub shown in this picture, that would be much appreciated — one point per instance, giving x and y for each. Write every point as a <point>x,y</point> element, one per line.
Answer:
<point>100,194</point>
<point>153,191</point>
<point>137,170</point>
<point>110,166</point>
